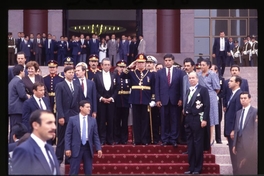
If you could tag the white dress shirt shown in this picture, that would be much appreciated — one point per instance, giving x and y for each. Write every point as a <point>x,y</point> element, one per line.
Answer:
<point>222,44</point>
<point>41,145</point>
<point>81,124</point>
<point>84,86</point>
<point>42,102</point>
<point>245,115</point>
<point>107,80</point>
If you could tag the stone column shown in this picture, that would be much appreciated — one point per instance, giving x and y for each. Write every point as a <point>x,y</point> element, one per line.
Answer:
<point>55,18</point>
<point>168,31</point>
<point>35,21</point>
<point>15,22</point>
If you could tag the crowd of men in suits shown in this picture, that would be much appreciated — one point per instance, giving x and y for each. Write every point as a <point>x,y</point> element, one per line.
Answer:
<point>169,106</point>
<point>44,48</point>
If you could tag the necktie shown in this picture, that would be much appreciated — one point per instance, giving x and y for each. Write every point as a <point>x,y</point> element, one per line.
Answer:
<point>40,105</point>
<point>72,91</point>
<point>52,165</point>
<point>82,85</point>
<point>230,99</point>
<point>241,123</point>
<point>169,76</point>
<point>84,132</point>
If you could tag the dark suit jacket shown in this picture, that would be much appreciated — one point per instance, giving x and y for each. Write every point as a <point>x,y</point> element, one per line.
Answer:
<point>16,96</point>
<point>91,94</point>
<point>216,46</point>
<point>165,92</point>
<point>29,84</point>
<point>230,114</point>
<point>76,47</point>
<point>61,47</point>
<point>31,105</point>
<point>67,104</point>
<point>83,50</point>
<point>99,84</point>
<point>28,159</point>
<point>26,47</point>
<point>73,137</point>
<point>36,48</point>
<point>124,47</point>
<point>249,132</point>
<point>201,95</point>
<point>94,47</point>
<point>227,91</point>
<point>12,146</point>
<point>52,46</point>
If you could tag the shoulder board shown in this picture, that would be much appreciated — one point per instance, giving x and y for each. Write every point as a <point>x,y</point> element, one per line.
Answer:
<point>60,76</point>
<point>45,75</point>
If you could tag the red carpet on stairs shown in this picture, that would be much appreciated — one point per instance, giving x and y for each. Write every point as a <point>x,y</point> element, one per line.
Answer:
<point>151,159</point>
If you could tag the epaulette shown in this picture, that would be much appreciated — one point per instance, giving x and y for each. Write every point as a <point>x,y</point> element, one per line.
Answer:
<point>45,75</point>
<point>60,76</point>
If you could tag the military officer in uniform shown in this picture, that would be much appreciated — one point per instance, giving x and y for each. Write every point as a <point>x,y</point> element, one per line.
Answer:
<point>142,96</point>
<point>68,61</point>
<point>246,52</point>
<point>254,57</point>
<point>122,105</point>
<point>93,66</point>
<point>155,111</point>
<point>236,53</point>
<point>11,49</point>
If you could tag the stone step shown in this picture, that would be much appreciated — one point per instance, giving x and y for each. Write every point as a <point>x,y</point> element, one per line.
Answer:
<point>220,149</point>
<point>226,169</point>
<point>222,159</point>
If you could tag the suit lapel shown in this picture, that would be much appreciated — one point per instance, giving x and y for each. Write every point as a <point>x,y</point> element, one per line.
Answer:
<point>40,156</point>
<point>195,94</point>
<point>100,75</point>
<point>75,95</point>
<point>77,122</point>
<point>89,126</point>
<point>248,116</point>
<point>35,103</point>
<point>112,78</point>
<point>67,88</point>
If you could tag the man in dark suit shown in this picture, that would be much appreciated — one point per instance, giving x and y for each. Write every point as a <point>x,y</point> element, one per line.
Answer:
<point>197,123</point>
<point>37,49</point>
<point>221,51</point>
<point>254,51</point>
<point>19,129</point>
<point>233,106</point>
<point>68,95</point>
<point>83,44</point>
<point>235,70</point>
<point>245,139</point>
<point>16,97</point>
<point>220,96</point>
<point>81,148</point>
<point>62,50</point>
<point>104,83</point>
<point>94,45</point>
<point>50,45</point>
<point>43,57</point>
<point>26,46</point>
<point>37,101</point>
<point>34,156</point>
<point>229,59</point>
<point>124,48</point>
<point>21,59</point>
<point>168,95</point>
<point>88,87</point>
<point>76,50</point>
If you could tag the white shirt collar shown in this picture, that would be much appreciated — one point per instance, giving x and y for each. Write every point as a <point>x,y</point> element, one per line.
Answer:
<point>40,143</point>
<point>192,88</point>
<point>106,73</point>
<point>234,91</point>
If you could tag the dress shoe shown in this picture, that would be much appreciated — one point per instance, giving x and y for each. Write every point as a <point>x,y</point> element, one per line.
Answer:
<point>185,152</point>
<point>195,173</point>
<point>219,142</point>
<point>164,143</point>
<point>174,144</point>
<point>188,172</point>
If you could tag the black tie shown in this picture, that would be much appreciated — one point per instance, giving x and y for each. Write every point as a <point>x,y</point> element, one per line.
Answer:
<point>52,165</point>
<point>72,91</point>
<point>40,105</point>
<point>241,123</point>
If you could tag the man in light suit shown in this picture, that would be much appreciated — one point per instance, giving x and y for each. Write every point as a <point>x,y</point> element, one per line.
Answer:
<point>112,47</point>
<point>16,97</point>
<point>37,101</point>
<point>168,95</point>
<point>221,51</point>
<point>197,123</point>
<point>141,45</point>
<point>80,137</point>
<point>68,95</point>
<point>245,139</point>
<point>88,87</point>
<point>104,83</point>
<point>235,70</point>
<point>124,49</point>
<point>233,106</point>
<point>34,156</point>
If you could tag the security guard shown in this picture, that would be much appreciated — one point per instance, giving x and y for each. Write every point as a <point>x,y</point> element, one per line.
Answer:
<point>68,61</point>
<point>50,82</point>
<point>155,111</point>
<point>93,66</point>
<point>122,105</point>
<point>254,52</point>
<point>236,53</point>
<point>246,52</point>
<point>142,96</point>
<point>11,49</point>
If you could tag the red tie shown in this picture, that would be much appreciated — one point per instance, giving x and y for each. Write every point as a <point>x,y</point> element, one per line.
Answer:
<point>169,76</point>
<point>82,85</point>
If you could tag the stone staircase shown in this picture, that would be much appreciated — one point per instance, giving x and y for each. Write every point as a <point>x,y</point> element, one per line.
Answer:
<point>221,151</point>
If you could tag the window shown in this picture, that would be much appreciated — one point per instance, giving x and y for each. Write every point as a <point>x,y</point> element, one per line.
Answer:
<point>219,25</point>
<point>201,46</point>
<point>238,12</point>
<point>220,13</point>
<point>201,13</point>
<point>253,26</point>
<point>201,27</point>
<point>238,27</point>
<point>253,12</point>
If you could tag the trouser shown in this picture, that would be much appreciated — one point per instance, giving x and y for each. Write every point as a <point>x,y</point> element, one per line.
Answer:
<point>245,60</point>
<point>254,61</point>
<point>221,62</point>
<point>121,124</point>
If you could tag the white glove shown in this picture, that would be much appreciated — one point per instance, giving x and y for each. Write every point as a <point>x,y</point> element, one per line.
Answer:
<point>152,104</point>
<point>245,52</point>
<point>217,98</point>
